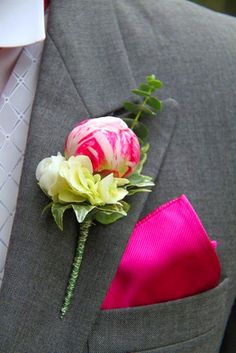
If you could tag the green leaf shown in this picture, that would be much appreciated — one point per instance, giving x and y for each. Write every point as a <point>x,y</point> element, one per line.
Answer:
<point>150,78</point>
<point>58,210</point>
<point>143,157</point>
<point>117,208</point>
<point>154,103</point>
<point>131,107</point>
<point>156,84</point>
<point>145,87</point>
<point>125,205</point>
<point>145,147</point>
<point>139,129</point>
<point>108,214</point>
<point>146,110</point>
<point>138,183</point>
<point>81,211</point>
<point>140,180</point>
<point>49,205</point>
<point>107,218</point>
<point>135,191</point>
<point>140,93</point>
<point>129,121</point>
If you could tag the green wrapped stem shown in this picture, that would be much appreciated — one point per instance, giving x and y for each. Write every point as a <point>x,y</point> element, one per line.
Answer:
<point>84,231</point>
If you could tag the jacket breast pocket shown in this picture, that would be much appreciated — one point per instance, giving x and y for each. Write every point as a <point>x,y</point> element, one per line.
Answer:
<point>202,343</point>
<point>170,327</point>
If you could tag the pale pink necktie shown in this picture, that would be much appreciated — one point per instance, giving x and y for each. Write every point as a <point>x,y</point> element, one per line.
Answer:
<point>169,256</point>
<point>16,101</point>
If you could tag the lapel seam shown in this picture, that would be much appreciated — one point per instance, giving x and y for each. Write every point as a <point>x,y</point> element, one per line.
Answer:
<point>123,43</point>
<point>168,144</point>
<point>67,70</point>
<point>161,164</point>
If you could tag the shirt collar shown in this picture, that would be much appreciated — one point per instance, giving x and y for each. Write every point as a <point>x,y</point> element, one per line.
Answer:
<point>21,22</point>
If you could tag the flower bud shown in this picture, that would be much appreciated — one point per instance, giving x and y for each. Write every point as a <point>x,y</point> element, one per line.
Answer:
<point>109,143</point>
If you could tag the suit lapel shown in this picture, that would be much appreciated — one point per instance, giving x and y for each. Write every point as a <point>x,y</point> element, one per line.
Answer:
<point>39,256</point>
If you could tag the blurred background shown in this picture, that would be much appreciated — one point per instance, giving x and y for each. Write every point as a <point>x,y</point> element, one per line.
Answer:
<point>226,6</point>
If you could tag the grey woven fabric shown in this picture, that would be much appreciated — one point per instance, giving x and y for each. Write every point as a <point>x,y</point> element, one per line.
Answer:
<point>96,51</point>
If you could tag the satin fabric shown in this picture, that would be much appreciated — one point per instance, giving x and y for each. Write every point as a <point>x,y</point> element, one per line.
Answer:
<point>169,256</point>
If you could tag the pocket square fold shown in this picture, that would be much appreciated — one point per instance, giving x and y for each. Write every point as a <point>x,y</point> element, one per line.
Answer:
<point>168,256</point>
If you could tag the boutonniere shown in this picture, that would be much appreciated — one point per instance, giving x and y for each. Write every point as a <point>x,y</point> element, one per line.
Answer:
<point>102,164</point>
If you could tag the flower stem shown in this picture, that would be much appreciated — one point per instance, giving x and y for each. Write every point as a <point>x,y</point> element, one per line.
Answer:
<point>136,119</point>
<point>84,231</point>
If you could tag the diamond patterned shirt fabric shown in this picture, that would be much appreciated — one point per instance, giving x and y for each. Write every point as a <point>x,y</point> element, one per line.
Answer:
<point>15,110</point>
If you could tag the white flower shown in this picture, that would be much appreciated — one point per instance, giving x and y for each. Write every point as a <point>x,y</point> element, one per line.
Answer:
<point>47,172</point>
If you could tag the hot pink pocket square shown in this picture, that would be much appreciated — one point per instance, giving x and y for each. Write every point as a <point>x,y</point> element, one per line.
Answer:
<point>168,256</point>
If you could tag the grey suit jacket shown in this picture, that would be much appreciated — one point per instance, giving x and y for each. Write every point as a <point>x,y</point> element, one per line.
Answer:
<point>95,52</point>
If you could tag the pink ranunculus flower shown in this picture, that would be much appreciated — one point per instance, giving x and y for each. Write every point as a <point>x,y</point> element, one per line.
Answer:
<point>109,143</point>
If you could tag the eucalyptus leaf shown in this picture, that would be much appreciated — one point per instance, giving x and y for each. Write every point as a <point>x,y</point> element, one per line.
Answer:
<point>154,103</point>
<point>58,210</point>
<point>131,107</point>
<point>146,110</point>
<point>146,88</point>
<point>140,93</point>
<point>150,78</point>
<point>156,83</point>
<point>129,121</point>
<point>81,211</point>
<point>140,129</point>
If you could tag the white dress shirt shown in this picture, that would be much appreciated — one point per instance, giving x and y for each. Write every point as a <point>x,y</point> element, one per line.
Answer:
<point>21,22</point>
<point>22,31</point>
